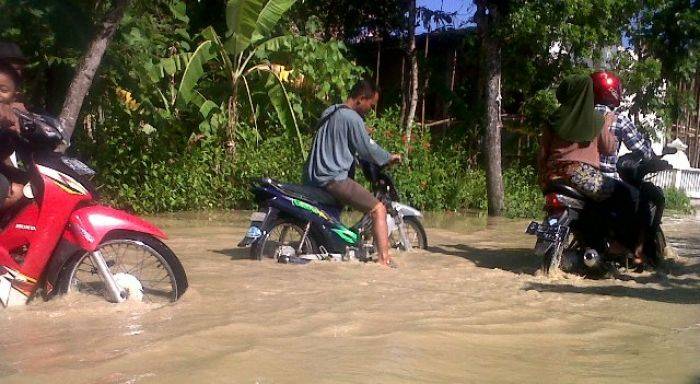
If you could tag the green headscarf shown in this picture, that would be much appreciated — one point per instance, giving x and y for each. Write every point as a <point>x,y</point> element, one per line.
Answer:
<point>576,119</point>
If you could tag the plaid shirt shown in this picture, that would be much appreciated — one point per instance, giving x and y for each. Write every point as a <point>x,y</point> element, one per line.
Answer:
<point>627,133</point>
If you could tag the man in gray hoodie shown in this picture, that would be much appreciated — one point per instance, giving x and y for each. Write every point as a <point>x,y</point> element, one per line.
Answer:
<point>341,136</point>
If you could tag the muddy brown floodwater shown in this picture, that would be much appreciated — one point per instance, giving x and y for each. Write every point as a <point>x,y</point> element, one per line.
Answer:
<point>470,309</point>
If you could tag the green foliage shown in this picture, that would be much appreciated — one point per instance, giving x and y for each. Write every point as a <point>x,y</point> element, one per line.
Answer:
<point>320,72</point>
<point>439,176</point>
<point>540,108</point>
<point>290,71</point>
<point>670,30</point>
<point>678,201</point>
<point>349,19</point>
<point>203,176</point>
<point>240,55</point>
<point>171,91</point>
<point>523,197</point>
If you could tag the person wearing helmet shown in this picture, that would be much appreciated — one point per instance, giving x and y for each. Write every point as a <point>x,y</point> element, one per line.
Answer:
<point>607,88</point>
<point>571,148</point>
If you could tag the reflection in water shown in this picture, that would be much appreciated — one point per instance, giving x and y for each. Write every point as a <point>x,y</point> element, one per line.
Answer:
<point>470,309</point>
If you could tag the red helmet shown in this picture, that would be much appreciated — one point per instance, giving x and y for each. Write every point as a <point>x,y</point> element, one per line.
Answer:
<point>607,88</point>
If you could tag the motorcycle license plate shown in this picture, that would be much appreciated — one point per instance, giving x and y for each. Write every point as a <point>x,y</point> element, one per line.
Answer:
<point>550,232</point>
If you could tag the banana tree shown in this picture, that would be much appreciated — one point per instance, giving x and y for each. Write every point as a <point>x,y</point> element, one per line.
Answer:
<point>241,54</point>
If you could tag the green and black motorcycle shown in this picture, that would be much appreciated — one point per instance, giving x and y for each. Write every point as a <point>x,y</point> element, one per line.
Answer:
<point>299,224</point>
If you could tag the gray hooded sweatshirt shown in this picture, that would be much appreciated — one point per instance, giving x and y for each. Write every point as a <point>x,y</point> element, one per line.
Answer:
<point>340,138</point>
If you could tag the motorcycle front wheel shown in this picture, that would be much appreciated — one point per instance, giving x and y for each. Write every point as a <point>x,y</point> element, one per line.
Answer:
<point>656,260</point>
<point>415,233</point>
<point>140,263</point>
<point>552,259</point>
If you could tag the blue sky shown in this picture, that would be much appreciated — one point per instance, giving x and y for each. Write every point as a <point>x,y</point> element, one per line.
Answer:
<point>464,8</point>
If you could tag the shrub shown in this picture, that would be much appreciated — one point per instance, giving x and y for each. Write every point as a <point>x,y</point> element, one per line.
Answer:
<point>137,173</point>
<point>677,200</point>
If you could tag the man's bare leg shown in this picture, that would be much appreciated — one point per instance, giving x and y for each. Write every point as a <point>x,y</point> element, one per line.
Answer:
<point>381,233</point>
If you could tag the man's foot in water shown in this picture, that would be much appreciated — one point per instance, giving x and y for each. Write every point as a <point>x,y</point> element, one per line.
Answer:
<point>387,262</point>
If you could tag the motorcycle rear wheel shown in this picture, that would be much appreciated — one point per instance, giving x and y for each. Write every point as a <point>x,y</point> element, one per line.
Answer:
<point>160,274</point>
<point>285,232</point>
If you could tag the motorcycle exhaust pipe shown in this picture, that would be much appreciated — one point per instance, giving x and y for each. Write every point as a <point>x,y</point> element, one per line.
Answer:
<point>591,258</point>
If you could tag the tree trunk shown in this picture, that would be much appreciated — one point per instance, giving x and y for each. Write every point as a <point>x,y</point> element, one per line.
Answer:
<point>404,96</point>
<point>82,80</point>
<point>413,88</point>
<point>451,83</point>
<point>379,62</point>
<point>697,122</point>
<point>486,18</point>
<point>679,113</point>
<point>426,75</point>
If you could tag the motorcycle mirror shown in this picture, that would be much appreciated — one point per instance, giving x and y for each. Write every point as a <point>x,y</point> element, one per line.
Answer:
<point>669,150</point>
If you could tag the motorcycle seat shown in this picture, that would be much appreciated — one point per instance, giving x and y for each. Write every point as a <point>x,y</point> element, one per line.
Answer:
<point>559,186</point>
<point>310,194</point>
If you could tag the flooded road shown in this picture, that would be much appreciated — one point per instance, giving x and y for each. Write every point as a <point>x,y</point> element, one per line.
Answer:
<point>470,309</point>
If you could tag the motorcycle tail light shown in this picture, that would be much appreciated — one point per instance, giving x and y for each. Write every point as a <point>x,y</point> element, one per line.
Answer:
<point>552,202</point>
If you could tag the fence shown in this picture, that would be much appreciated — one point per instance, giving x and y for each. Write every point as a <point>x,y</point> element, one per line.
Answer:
<point>686,180</point>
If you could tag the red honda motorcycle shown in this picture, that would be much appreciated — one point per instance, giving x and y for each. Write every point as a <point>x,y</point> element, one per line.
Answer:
<point>59,239</point>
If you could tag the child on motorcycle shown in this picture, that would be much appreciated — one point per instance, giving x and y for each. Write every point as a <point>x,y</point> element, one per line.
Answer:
<point>10,177</point>
<point>607,88</point>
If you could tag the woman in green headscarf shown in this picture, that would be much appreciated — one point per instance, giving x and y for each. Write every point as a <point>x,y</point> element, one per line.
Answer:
<point>570,148</point>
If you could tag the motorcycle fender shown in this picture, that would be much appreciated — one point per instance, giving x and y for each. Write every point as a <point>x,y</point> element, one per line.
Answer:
<point>260,223</point>
<point>91,224</point>
<point>542,246</point>
<point>65,249</point>
<point>405,210</point>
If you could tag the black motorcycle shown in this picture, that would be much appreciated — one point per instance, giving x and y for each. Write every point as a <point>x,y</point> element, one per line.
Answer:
<point>577,232</point>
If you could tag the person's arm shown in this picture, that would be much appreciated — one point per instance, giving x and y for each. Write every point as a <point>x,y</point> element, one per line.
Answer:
<point>363,145</point>
<point>633,139</point>
<point>607,142</point>
<point>8,118</point>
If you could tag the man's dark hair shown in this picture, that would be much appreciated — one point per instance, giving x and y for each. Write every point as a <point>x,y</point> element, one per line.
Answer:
<point>11,53</point>
<point>363,88</point>
<point>9,70</point>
